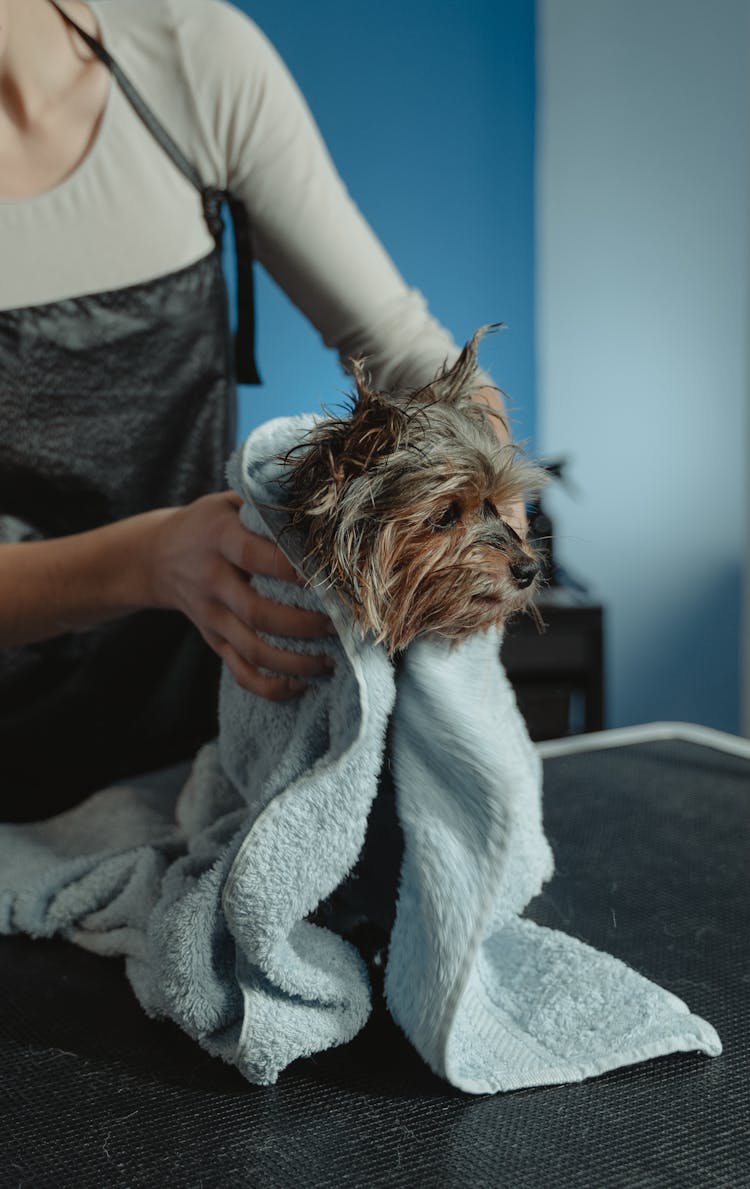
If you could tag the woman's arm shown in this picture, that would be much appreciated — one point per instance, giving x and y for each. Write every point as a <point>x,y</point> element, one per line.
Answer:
<point>61,585</point>
<point>308,233</point>
<point>195,559</point>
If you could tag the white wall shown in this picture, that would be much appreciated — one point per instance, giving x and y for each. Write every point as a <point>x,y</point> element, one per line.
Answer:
<point>642,302</point>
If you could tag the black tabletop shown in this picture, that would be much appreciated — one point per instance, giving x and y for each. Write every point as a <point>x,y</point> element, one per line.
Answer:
<point>651,846</point>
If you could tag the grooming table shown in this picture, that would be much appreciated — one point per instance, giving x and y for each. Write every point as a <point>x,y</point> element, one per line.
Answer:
<point>649,827</point>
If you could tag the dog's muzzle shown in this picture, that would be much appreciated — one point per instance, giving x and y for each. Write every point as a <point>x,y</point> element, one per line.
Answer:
<point>522,568</point>
<point>523,572</point>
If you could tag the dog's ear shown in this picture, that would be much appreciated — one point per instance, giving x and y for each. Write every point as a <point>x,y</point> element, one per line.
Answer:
<point>455,384</point>
<point>376,428</point>
<point>340,450</point>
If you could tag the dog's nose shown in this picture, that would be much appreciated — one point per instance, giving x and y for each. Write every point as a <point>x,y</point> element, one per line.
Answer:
<point>524,572</point>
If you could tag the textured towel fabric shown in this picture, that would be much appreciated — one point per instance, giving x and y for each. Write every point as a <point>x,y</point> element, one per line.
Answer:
<point>204,877</point>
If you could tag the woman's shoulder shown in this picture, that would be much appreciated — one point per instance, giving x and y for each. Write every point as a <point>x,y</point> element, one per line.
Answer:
<point>204,66</point>
<point>179,25</point>
<point>210,46</point>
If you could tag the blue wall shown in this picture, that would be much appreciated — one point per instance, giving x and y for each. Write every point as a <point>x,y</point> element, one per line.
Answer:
<point>428,111</point>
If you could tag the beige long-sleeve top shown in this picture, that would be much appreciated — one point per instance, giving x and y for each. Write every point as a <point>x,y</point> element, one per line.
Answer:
<point>126,214</point>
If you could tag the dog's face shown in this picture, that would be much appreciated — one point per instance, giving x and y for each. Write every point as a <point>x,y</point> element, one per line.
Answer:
<point>407,505</point>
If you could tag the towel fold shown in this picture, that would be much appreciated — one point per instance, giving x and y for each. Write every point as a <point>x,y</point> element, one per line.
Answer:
<point>205,877</point>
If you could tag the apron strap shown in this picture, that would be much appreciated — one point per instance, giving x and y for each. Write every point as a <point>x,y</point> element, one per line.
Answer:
<point>211,198</point>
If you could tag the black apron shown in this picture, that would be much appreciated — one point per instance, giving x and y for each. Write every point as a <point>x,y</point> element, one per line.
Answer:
<point>111,404</point>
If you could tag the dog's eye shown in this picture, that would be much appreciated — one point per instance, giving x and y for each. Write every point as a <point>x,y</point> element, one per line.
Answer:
<point>448,516</point>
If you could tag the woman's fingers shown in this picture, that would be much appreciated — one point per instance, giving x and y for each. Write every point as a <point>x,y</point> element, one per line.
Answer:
<point>255,554</point>
<point>275,689</point>
<point>275,619</point>
<point>258,652</point>
<point>242,614</point>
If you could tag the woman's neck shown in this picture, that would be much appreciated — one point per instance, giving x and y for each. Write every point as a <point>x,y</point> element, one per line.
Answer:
<point>53,92</point>
<point>42,60</point>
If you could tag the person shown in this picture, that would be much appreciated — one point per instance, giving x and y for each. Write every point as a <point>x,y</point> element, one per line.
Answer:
<point>124,567</point>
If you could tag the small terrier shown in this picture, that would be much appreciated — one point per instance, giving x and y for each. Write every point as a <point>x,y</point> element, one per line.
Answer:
<point>404,507</point>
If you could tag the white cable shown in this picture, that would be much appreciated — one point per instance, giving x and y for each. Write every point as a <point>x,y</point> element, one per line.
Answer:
<point>646,733</point>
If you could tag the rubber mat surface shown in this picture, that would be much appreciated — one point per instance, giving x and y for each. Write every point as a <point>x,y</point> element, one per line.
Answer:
<point>651,845</point>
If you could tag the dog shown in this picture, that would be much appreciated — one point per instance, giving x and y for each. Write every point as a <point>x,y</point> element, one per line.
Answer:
<point>405,506</point>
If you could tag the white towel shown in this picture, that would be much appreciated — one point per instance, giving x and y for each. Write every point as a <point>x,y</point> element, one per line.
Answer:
<point>205,880</point>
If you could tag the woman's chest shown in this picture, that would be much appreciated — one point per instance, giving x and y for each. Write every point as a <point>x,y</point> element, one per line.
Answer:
<point>122,218</point>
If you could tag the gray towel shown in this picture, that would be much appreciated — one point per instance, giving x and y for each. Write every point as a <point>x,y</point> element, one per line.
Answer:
<point>204,877</point>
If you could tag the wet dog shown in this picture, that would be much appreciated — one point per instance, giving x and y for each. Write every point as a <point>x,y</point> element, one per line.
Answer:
<point>407,506</point>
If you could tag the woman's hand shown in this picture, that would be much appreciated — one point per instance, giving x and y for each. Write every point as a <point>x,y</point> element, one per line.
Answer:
<point>201,558</point>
